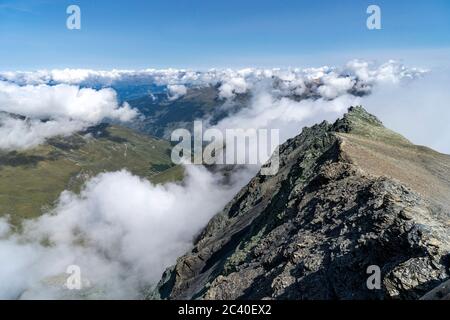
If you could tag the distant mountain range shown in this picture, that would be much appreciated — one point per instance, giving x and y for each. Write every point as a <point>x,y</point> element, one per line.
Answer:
<point>161,114</point>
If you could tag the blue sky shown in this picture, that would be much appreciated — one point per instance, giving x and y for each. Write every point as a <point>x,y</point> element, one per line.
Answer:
<point>203,34</point>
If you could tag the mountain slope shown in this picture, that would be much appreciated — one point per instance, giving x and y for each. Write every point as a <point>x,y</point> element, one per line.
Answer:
<point>347,196</point>
<point>31,180</point>
<point>163,115</point>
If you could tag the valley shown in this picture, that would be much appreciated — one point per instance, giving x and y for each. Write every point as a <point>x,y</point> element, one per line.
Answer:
<point>31,180</point>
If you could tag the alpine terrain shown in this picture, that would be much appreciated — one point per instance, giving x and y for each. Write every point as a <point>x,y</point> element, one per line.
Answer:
<point>32,180</point>
<point>349,197</point>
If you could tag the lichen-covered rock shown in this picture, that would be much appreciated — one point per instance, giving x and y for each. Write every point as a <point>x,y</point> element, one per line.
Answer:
<point>347,196</point>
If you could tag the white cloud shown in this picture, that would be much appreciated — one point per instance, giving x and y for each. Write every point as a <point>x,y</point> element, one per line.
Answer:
<point>390,72</point>
<point>19,134</point>
<point>176,91</point>
<point>417,109</point>
<point>333,86</point>
<point>121,230</point>
<point>4,228</point>
<point>233,86</point>
<point>65,109</point>
<point>267,111</point>
<point>62,101</point>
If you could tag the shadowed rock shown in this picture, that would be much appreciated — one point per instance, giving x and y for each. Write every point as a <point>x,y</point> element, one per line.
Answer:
<point>441,292</point>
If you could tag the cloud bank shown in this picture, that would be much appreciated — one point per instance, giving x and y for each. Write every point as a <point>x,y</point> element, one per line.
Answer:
<point>32,113</point>
<point>288,100</point>
<point>122,231</point>
<point>417,109</point>
<point>327,82</point>
<point>60,102</point>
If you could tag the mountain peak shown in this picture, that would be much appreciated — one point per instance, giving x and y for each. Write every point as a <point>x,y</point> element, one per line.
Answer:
<point>357,119</point>
<point>359,112</point>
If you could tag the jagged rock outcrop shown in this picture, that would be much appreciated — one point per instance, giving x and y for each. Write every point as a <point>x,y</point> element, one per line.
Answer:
<point>348,195</point>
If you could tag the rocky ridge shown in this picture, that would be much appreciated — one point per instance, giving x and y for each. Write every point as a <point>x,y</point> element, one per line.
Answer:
<point>348,195</point>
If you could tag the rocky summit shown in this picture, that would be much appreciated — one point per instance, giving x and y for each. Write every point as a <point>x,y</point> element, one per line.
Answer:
<point>350,197</point>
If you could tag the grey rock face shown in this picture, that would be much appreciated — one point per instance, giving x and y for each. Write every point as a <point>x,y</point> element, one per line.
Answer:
<point>340,203</point>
